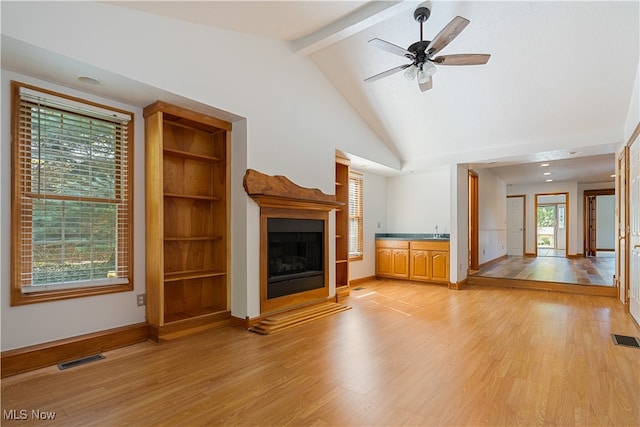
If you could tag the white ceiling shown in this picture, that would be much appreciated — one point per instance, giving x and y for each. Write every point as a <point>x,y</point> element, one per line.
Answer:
<point>557,87</point>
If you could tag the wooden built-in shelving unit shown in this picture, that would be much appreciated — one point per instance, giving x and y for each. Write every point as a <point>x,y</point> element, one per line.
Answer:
<point>342,226</point>
<point>187,220</point>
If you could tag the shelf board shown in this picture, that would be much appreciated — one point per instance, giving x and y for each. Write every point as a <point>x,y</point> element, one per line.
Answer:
<point>193,274</point>
<point>191,156</point>
<point>192,196</point>
<point>193,238</point>
<point>190,314</point>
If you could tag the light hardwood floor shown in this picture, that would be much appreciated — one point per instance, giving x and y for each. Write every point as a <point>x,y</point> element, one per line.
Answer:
<point>406,354</point>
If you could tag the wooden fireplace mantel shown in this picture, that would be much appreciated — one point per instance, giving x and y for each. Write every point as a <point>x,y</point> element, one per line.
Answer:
<point>279,192</point>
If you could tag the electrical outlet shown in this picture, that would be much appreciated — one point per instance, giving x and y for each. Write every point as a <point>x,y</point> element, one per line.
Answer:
<point>141,299</point>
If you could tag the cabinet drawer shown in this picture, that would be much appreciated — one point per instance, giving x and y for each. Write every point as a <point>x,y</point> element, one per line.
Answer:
<point>430,246</point>
<point>393,244</point>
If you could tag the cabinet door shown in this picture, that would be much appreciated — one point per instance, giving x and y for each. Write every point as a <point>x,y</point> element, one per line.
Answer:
<point>383,262</point>
<point>419,265</point>
<point>440,266</point>
<point>400,263</point>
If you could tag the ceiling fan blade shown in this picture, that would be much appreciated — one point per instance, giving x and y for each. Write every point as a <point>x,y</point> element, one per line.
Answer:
<point>463,59</point>
<point>426,86</point>
<point>447,34</point>
<point>391,48</point>
<point>387,73</point>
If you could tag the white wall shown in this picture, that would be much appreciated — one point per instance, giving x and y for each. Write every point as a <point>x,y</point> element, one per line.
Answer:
<point>375,221</point>
<point>571,187</point>
<point>459,242</point>
<point>293,119</point>
<point>633,114</point>
<point>418,202</point>
<point>37,323</point>
<point>492,216</point>
<point>605,222</point>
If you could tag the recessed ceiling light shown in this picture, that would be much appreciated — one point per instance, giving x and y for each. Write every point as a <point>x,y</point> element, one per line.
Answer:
<point>549,180</point>
<point>89,80</point>
<point>613,175</point>
<point>547,173</point>
<point>544,165</point>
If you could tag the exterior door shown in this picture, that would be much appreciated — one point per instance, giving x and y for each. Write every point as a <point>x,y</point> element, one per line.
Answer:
<point>634,232</point>
<point>515,225</point>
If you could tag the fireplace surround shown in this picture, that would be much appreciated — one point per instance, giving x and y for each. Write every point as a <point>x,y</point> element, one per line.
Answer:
<point>294,241</point>
<point>295,256</point>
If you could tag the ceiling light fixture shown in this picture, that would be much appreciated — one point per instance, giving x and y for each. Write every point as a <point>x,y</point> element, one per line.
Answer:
<point>411,72</point>
<point>613,175</point>
<point>547,173</point>
<point>549,180</point>
<point>89,80</point>
<point>544,165</point>
<point>425,72</point>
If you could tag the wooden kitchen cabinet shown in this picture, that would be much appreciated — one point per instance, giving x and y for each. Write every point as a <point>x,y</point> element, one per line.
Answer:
<point>429,261</point>
<point>422,260</point>
<point>392,259</point>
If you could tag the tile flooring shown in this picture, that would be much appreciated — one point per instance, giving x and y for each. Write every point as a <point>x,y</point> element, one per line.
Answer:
<point>597,270</point>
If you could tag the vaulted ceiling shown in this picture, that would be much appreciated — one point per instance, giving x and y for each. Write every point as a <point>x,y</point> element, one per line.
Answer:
<point>557,87</point>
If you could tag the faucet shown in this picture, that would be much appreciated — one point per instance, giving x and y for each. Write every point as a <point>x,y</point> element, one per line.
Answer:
<point>437,234</point>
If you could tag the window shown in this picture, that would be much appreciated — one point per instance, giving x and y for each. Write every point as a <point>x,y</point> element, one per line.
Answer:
<point>71,198</point>
<point>355,215</point>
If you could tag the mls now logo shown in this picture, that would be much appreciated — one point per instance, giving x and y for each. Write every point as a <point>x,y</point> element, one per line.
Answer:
<point>23,414</point>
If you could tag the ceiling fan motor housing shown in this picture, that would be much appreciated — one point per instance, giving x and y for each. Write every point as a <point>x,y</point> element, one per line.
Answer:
<point>422,12</point>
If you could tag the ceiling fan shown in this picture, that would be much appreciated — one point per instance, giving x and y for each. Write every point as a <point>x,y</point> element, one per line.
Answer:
<point>422,53</point>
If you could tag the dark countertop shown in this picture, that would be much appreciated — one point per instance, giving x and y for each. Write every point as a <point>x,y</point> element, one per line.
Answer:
<point>442,237</point>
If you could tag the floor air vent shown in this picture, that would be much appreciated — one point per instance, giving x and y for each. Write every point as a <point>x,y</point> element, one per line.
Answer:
<point>626,340</point>
<point>78,362</point>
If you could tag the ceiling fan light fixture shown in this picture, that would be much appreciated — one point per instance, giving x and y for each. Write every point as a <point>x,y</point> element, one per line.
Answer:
<point>425,72</point>
<point>411,72</point>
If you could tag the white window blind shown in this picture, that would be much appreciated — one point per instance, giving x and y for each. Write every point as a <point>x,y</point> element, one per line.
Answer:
<point>73,193</point>
<point>355,214</point>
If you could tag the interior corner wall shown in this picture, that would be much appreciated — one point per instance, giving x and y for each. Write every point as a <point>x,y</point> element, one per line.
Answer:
<point>459,208</point>
<point>43,322</point>
<point>374,221</point>
<point>417,203</point>
<point>574,245</point>
<point>492,216</point>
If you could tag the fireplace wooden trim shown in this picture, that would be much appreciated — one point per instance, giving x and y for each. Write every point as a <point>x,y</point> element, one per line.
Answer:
<point>278,197</point>
<point>280,192</point>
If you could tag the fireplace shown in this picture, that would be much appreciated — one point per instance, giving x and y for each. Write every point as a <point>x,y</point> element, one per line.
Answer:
<point>294,241</point>
<point>295,256</point>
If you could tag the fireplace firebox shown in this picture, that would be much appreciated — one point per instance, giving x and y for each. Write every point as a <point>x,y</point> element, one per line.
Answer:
<point>295,256</point>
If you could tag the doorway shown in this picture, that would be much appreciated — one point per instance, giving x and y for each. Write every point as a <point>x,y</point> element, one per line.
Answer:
<point>599,222</point>
<point>552,225</point>
<point>473,221</point>
<point>516,225</point>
